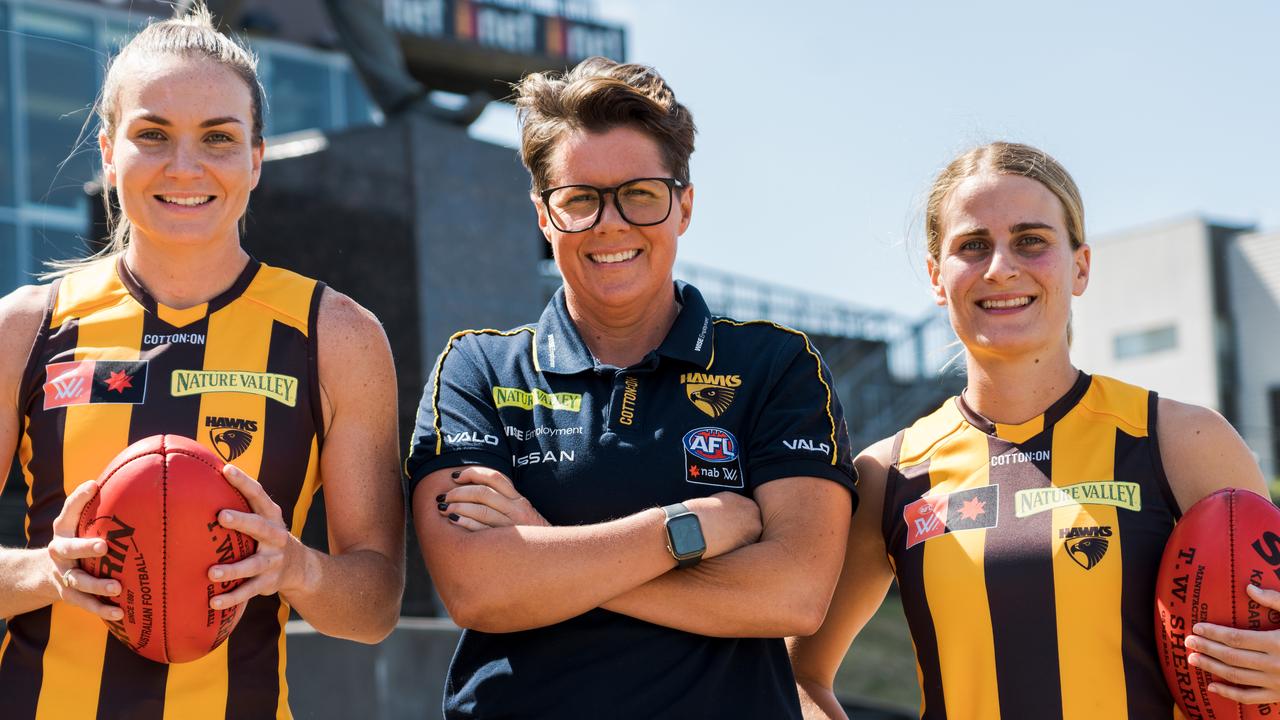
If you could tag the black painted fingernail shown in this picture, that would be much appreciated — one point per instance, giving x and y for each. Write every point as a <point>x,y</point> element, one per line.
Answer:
<point>440,498</point>
<point>453,517</point>
<point>456,474</point>
<point>442,506</point>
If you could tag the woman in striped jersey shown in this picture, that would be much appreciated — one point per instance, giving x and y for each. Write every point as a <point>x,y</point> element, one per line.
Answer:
<point>1024,520</point>
<point>141,340</point>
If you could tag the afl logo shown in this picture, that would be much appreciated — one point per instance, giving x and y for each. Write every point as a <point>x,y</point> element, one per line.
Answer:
<point>711,444</point>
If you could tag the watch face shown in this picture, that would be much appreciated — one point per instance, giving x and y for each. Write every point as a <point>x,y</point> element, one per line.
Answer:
<point>686,535</point>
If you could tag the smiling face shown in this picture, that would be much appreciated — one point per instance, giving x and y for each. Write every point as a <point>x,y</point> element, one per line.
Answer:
<point>615,266</point>
<point>1006,270</point>
<point>181,156</point>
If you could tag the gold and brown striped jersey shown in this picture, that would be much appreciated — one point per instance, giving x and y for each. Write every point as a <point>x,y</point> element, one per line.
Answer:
<point>111,366</point>
<point>1027,557</point>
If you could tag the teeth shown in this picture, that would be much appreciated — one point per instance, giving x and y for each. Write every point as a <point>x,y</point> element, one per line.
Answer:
<point>615,257</point>
<point>1011,303</point>
<point>187,201</point>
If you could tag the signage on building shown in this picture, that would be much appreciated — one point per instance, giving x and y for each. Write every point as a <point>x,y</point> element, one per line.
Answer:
<point>516,28</point>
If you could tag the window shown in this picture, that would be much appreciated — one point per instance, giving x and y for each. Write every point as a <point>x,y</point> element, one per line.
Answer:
<point>59,81</point>
<point>299,96</point>
<point>1146,342</point>
<point>6,119</point>
<point>8,258</point>
<point>360,108</point>
<point>51,244</point>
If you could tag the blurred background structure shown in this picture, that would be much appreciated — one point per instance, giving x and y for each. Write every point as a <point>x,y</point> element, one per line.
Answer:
<point>391,197</point>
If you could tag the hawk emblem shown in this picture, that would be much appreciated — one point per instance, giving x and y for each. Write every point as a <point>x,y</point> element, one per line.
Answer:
<point>710,399</point>
<point>1087,552</point>
<point>230,442</point>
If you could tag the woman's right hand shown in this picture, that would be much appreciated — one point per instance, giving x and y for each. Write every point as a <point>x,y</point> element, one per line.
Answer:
<point>729,521</point>
<point>75,586</point>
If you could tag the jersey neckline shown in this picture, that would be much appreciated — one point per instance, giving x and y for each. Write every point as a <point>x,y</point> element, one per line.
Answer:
<point>1036,425</point>
<point>179,318</point>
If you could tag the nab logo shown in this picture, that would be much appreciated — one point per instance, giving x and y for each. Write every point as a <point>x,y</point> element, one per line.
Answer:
<point>712,444</point>
<point>230,436</point>
<point>1086,545</point>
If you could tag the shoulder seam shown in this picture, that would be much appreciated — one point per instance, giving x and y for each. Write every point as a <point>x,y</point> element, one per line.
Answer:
<point>817,359</point>
<point>435,386</point>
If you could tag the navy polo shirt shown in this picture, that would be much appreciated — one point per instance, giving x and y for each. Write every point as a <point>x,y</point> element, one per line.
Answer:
<point>719,405</point>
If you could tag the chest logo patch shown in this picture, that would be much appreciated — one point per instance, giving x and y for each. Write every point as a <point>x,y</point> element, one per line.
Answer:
<point>712,394</point>
<point>935,515</point>
<point>527,399</point>
<point>230,437</point>
<point>1086,545</point>
<point>1127,495</point>
<point>281,388</point>
<point>85,382</point>
<point>711,458</point>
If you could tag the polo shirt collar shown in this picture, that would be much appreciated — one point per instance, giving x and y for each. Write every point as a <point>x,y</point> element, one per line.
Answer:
<point>560,348</point>
<point>692,336</point>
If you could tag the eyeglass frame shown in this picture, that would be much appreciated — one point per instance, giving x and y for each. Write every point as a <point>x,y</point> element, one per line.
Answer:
<point>672,184</point>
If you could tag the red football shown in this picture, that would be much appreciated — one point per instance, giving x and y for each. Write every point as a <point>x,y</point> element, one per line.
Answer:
<point>1223,543</point>
<point>157,506</point>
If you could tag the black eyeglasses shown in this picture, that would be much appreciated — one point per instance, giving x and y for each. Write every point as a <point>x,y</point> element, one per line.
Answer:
<point>641,202</point>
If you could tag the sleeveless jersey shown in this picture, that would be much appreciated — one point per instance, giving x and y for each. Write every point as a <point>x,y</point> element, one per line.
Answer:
<point>1027,557</point>
<point>111,366</point>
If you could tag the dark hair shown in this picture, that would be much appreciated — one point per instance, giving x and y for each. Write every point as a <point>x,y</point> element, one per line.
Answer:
<point>598,95</point>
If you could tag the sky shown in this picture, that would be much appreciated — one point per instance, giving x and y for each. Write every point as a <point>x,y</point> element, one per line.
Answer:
<point>822,123</point>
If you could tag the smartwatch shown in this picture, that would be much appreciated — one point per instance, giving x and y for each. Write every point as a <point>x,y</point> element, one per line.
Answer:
<point>684,535</point>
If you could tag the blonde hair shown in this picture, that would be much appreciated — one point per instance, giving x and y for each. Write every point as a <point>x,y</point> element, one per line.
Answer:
<point>1004,158</point>
<point>191,35</point>
<point>598,95</point>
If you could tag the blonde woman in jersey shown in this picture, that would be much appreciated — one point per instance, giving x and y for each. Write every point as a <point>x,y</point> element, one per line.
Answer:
<point>143,339</point>
<point>1024,520</point>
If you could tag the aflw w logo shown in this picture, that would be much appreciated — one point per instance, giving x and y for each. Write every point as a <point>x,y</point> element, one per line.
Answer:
<point>66,388</point>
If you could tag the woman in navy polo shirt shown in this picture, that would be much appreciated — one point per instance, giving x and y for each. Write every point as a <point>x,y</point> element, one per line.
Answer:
<point>629,503</point>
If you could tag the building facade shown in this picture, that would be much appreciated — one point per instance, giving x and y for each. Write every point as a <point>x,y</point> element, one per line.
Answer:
<point>1191,309</point>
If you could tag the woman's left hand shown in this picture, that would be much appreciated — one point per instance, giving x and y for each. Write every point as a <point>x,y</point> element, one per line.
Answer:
<point>1248,658</point>
<point>483,498</point>
<point>277,566</point>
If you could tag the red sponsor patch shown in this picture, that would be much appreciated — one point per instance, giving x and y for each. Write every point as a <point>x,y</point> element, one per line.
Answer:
<point>935,515</point>
<point>68,383</point>
<point>925,518</point>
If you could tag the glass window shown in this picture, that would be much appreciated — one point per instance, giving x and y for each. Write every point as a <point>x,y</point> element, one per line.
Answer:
<point>359,106</point>
<point>52,244</point>
<point>6,116</point>
<point>8,258</point>
<point>59,83</point>
<point>1146,342</point>
<point>298,96</point>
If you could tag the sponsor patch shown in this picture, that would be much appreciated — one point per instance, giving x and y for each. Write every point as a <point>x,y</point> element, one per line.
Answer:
<point>630,394</point>
<point>540,431</point>
<point>710,393</point>
<point>84,382</point>
<point>527,399</point>
<point>230,437</point>
<point>711,458</point>
<point>1127,495</point>
<point>935,515</point>
<point>1086,545</point>
<point>281,388</point>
